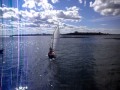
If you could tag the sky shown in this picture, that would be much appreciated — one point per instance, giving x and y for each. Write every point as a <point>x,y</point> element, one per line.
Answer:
<point>42,16</point>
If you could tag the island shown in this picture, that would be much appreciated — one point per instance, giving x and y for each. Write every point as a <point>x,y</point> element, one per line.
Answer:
<point>86,33</point>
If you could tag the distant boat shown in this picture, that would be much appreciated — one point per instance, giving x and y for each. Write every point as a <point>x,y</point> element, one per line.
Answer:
<point>1,51</point>
<point>54,40</point>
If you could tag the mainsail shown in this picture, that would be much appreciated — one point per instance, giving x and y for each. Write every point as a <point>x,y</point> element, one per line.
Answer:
<point>55,37</point>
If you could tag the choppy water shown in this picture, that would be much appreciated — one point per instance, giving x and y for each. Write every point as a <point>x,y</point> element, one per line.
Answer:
<point>90,63</point>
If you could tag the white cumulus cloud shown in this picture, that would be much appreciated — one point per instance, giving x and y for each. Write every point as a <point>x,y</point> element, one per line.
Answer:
<point>54,1</point>
<point>106,7</point>
<point>71,14</point>
<point>43,13</point>
<point>9,13</point>
<point>29,4</point>
<point>43,4</point>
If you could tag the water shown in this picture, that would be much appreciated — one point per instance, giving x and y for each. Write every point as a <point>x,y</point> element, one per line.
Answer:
<point>90,63</point>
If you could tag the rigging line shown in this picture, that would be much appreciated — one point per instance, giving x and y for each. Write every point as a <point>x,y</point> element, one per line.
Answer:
<point>26,64</point>
<point>27,72</point>
<point>26,68</point>
<point>22,59</point>
<point>12,44</point>
<point>18,45</point>
<point>2,73</point>
<point>12,65</point>
<point>22,62</point>
<point>2,48</point>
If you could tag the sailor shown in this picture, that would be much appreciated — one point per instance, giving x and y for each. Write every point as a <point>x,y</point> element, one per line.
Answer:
<point>51,53</point>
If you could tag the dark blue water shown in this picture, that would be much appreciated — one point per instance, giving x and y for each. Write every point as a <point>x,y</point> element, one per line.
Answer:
<point>90,63</point>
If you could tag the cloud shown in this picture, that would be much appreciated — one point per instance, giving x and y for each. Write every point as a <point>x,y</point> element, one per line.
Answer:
<point>9,13</point>
<point>106,7</point>
<point>38,12</point>
<point>72,8</point>
<point>29,4</point>
<point>85,3</point>
<point>70,14</point>
<point>50,16</point>
<point>45,5</point>
<point>54,1</point>
<point>35,17</point>
<point>80,1</point>
<point>31,25</point>
<point>46,12</point>
<point>42,4</point>
<point>3,5</point>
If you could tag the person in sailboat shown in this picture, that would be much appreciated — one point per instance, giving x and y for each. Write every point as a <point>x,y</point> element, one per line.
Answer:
<point>51,53</point>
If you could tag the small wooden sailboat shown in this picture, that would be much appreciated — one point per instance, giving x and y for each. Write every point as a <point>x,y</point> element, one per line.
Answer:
<point>54,40</point>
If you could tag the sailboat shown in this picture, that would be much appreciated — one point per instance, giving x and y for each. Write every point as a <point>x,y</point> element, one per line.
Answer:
<point>54,40</point>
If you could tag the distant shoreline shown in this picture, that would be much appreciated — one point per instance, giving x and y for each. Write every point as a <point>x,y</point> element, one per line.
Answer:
<point>67,34</point>
<point>75,33</point>
<point>32,35</point>
<point>87,33</point>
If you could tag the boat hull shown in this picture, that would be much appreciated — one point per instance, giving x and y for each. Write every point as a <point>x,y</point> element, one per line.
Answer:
<point>51,56</point>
